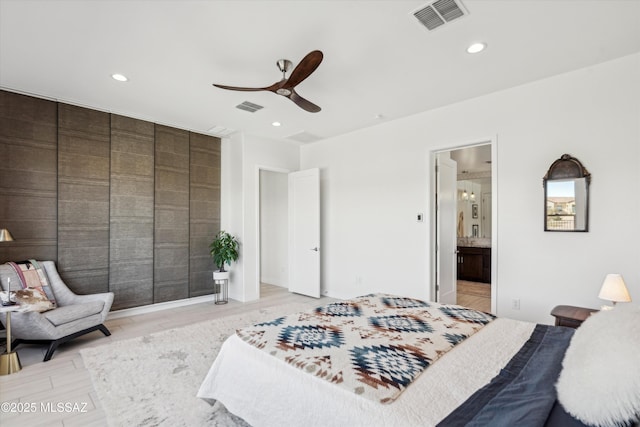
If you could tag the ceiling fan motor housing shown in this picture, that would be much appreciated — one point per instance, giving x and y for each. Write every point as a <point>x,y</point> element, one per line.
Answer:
<point>284,65</point>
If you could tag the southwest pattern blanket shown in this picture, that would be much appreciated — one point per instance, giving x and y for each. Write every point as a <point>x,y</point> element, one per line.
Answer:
<point>373,346</point>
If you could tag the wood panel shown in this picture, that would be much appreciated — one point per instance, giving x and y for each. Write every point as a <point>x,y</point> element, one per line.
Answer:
<point>204,212</point>
<point>171,229</point>
<point>28,190</point>
<point>83,198</point>
<point>131,212</point>
<point>121,204</point>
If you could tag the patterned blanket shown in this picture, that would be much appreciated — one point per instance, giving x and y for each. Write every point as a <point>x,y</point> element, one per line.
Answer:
<point>374,345</point>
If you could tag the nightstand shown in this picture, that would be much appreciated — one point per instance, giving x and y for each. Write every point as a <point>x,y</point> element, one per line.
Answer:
<point>570,316</point>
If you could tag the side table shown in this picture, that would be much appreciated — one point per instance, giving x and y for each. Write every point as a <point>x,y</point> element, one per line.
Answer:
<point>570,316</point>
<point>221,286</point>
<point>9,360</point>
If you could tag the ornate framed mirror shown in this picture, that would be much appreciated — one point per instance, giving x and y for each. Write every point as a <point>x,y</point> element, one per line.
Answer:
<point>566,195</point>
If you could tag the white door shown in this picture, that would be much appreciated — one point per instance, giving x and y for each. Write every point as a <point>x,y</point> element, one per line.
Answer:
<point>446,247</point>
<point>304,232</point>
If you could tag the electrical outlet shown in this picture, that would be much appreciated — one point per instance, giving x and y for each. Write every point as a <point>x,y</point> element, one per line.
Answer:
<point>515,304</point>
<point>419,217</point>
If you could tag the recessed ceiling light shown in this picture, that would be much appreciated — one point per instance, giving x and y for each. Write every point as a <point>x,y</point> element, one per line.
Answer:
<point>119,77</point>
<point>276,124</point>
<point>476,47</point>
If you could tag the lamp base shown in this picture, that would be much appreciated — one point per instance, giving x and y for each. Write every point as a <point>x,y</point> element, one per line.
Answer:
<point>9,363</point>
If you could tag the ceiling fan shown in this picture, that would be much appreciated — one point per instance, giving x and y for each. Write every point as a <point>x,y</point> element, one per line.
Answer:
<point>286,86</point>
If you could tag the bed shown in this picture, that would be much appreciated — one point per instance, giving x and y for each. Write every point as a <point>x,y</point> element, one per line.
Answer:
<point>503,373</point>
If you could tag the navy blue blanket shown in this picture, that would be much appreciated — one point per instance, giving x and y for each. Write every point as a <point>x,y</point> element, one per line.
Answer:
<point>523,393</point>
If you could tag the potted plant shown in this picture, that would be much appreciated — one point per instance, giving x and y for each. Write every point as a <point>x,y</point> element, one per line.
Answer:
<point>224,249</point>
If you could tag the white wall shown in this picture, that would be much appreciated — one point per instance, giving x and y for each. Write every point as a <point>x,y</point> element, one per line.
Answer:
<point>242,158</point>
<point>231,204</point>
<point>274,195</point>
<point>374,181</point>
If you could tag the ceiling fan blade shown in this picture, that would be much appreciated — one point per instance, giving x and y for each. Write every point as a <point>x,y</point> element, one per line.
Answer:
<point>243,89</point>
<point>303,103</point>
<point>304,69</point>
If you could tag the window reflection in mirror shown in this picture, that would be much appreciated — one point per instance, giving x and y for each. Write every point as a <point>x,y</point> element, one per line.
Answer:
<point>567,204</point>
<point>566,195</point>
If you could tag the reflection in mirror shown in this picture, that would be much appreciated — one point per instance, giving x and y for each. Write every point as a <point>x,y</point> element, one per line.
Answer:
<point>474,207</point>
<point>566,193</point>
<point>566,204</point>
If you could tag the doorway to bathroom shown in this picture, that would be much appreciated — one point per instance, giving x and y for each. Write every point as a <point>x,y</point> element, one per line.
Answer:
<point>465,226</point>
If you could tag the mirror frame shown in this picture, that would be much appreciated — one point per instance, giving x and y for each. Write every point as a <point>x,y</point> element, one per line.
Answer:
<point>565,168</point>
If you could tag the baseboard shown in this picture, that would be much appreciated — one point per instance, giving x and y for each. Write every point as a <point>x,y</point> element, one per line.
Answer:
<point>159,306</point>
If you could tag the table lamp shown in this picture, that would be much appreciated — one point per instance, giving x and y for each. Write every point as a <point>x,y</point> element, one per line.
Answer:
<point>614,289</point>
<point>5,236</point>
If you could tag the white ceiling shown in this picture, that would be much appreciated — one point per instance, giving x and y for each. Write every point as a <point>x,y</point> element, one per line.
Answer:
<point>378,60</point>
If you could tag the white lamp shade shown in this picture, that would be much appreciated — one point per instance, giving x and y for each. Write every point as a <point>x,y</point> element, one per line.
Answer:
<point>614,289</point>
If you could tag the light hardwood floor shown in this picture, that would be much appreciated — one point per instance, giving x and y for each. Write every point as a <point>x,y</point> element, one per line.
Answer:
<point>474,295</point>
<point>65,379</point>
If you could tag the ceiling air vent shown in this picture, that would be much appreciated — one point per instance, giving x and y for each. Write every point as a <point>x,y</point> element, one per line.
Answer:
<point>304,137</point>
<point>221,131</point>
<point>249,106</point>
<point>439,12</point>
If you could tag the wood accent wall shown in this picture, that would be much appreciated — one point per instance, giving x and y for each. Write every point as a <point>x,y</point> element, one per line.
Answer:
<point>83,198</point>
<point>132,214</point>
<point>204,211</point>
<point>120,204</point>
<point>171,267</point>
<point>28,167</point>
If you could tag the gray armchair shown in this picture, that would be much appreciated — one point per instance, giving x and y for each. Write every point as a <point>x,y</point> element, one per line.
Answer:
<point>75,315</point>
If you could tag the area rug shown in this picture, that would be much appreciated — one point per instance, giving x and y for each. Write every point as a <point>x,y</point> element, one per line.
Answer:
<point>153,380</point>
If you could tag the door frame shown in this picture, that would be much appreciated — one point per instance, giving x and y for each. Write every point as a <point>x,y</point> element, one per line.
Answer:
<point>258,206</point>
<point>493,141</point>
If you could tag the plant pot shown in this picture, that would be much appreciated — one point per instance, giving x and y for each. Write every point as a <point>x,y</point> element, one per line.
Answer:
<point>221,286</point>
<point>221,275</point>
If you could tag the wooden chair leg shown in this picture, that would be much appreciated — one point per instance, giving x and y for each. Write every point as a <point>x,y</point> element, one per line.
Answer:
<point>53,344</point>
<point>52,347</point>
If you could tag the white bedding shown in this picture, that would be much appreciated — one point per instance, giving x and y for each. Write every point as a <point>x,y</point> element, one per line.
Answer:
<point>265,391</point>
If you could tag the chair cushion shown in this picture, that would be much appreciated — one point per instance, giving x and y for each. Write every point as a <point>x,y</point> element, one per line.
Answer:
<point>69,313</point>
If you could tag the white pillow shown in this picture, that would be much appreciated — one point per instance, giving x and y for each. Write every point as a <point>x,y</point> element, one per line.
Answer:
<point>600,379</point>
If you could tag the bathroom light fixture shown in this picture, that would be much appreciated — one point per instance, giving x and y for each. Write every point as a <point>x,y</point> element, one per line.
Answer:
<point>476,47</point>
<point>119,77</point>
